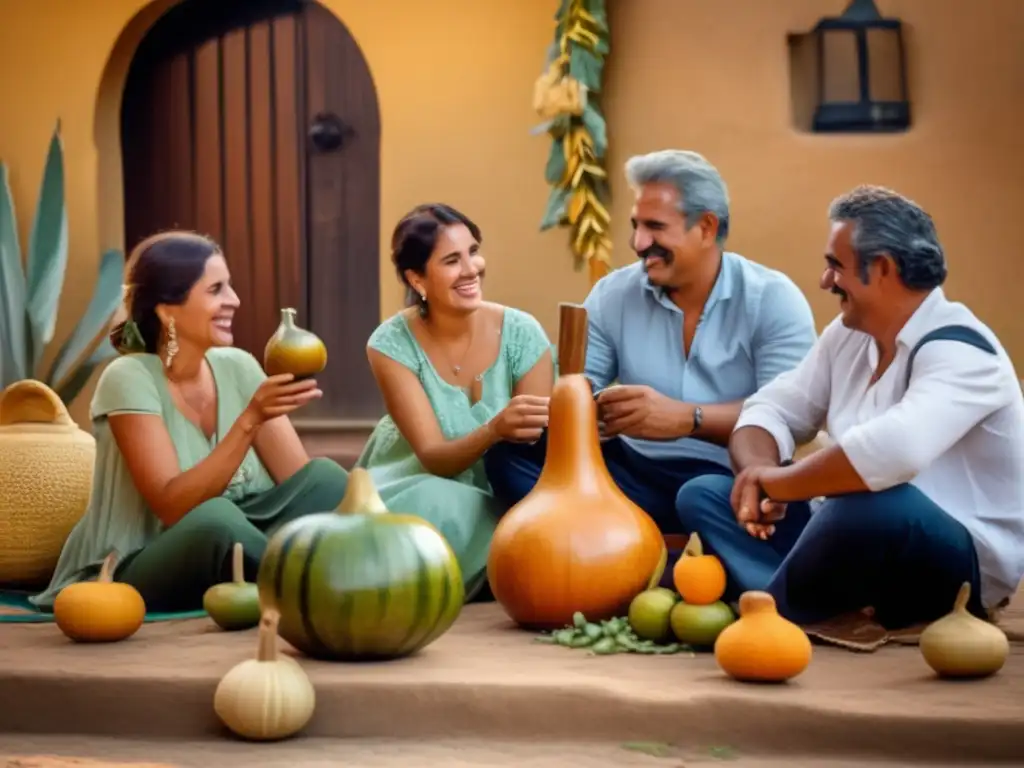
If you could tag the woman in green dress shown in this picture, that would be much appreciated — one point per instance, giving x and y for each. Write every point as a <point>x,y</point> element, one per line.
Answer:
<point>194,448</point>
<point>458,375</point>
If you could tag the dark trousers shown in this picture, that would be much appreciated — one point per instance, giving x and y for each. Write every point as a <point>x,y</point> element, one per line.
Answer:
<point>652,484</point>
<point>174,570</point>
<point>895,551</point>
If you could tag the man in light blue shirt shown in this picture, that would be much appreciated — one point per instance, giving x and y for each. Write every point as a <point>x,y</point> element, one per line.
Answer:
<point>688,333</point>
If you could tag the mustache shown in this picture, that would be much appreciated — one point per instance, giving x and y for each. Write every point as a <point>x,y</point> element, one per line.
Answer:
<point>655,251</point>
<point>838,292</point>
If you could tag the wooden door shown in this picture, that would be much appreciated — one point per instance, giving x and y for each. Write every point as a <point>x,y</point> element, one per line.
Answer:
<point>256,122</point>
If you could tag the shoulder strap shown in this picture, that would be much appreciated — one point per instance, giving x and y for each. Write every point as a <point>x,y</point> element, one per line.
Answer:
<point>961,333</point>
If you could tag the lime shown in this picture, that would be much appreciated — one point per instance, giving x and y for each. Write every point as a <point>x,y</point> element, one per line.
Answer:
<point>700,625</point>
<point>649,614</point>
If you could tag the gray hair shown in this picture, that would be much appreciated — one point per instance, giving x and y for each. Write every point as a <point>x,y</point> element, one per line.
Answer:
<point>887,223</point>
<point>700,185</point>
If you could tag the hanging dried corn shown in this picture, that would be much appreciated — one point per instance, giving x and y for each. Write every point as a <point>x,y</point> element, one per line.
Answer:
<point>566,96</point>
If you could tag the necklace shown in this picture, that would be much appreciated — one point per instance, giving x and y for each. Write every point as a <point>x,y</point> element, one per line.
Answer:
<point>456,367</point>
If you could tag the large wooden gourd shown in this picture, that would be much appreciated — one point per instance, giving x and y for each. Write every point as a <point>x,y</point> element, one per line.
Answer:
<point>46,465</point>
<point>575,542</point>
<point>360,583</point>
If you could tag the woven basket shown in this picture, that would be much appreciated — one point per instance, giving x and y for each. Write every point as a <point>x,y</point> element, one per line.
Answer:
<point>46,465</point>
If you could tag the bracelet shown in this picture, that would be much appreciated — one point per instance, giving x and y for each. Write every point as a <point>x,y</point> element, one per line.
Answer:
<point>698,419</point>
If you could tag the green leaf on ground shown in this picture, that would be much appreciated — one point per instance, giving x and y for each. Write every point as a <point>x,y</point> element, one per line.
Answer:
<point>652,748</point>
<point>723,753</point>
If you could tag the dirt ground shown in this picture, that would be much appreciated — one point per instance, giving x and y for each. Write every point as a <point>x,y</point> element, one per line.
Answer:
<point>486,695</point>
<point>380,753</point>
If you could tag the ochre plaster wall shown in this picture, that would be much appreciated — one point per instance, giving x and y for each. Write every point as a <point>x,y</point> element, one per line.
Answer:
<point>713,76</point>
<point>454,80</point>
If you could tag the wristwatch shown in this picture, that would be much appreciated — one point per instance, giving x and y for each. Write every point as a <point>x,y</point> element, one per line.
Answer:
<point>698,419</point>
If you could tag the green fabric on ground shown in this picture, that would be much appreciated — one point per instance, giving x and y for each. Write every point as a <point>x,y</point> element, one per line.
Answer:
<point>21,611</point>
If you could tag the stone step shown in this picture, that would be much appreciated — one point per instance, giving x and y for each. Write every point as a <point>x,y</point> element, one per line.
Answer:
<point>486,680</point>
<point>20,751</point>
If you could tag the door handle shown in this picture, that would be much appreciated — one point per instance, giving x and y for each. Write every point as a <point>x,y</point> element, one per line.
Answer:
<point>328,132</point>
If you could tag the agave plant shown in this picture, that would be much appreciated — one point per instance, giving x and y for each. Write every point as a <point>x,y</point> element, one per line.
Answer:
<point>30,296</point>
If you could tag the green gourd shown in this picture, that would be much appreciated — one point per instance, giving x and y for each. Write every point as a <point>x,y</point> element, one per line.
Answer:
<point>294,350</point>
<point>361,583</point>
<point>234,604</point>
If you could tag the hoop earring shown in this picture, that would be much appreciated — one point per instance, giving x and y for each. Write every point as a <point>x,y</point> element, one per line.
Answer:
<point>172,344</point>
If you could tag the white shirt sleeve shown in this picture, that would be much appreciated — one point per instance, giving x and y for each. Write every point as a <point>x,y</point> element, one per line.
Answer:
<point>953,388</point>
<point>792,407</point>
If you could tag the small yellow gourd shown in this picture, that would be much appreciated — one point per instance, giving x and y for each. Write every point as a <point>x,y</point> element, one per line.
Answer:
<point>266,698</point>
<point>762,646</point>
<point>960,645</point>
<point>101,611</point>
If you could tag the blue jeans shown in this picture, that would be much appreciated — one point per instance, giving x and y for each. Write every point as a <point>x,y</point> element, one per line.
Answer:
<point>894,550</point>
<point>652,484</point>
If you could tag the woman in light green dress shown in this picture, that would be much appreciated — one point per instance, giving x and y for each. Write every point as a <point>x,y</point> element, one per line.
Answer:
<point>194,449</point>
<point>458,374</point>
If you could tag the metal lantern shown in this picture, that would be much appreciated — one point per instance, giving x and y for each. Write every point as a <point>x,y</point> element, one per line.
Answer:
<point>862,82</point>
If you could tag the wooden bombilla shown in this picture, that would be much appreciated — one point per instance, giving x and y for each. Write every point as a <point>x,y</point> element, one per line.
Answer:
<point>572,338</point>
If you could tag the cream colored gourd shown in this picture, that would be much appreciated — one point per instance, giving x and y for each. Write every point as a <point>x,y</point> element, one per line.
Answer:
<point>961,645</point>
<point>266,698</point>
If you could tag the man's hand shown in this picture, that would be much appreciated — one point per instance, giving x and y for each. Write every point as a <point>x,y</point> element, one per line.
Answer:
<point>753,511</point>
<point>642,412</point>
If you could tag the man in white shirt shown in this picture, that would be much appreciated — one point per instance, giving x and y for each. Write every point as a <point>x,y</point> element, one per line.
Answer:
<point>923,488</point>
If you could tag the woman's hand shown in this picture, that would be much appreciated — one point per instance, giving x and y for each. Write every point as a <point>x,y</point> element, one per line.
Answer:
<point>522,420</point>
<point>280,395</point>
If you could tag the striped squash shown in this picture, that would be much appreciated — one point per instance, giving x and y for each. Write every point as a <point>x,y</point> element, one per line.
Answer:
<point>360,583</point>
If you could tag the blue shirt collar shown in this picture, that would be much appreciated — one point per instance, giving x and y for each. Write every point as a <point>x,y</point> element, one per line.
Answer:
<point>721,290</point>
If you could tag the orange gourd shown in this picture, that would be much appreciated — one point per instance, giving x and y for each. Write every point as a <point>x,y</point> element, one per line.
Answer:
<point>699,578</point>
<point>762,646</point>
<point>575,542</point>
<point>101,611</point>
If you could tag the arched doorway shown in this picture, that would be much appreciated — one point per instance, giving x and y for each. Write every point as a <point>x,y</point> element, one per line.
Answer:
<point>256,122</point>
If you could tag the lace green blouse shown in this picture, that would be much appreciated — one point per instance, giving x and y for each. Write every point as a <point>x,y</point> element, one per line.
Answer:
<point>523,343</point>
